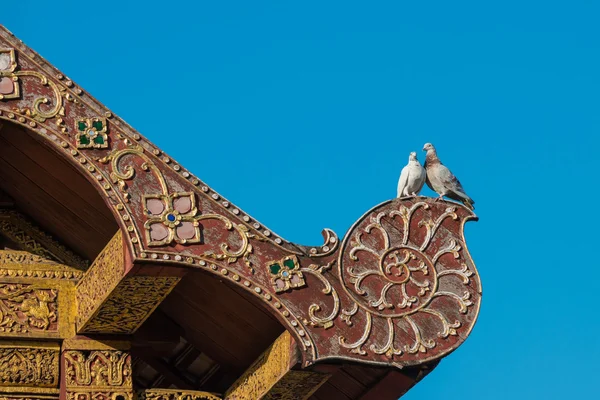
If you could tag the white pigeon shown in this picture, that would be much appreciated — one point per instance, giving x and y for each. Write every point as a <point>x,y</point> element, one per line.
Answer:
<point>412,177</point>
<point>442,181</point>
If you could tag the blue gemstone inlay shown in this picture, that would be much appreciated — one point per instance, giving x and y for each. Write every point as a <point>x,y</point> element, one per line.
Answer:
<point>171,218</point>
<point>285,274</point>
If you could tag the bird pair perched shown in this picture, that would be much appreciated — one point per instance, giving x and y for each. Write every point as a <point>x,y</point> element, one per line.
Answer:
<point>437,175</point>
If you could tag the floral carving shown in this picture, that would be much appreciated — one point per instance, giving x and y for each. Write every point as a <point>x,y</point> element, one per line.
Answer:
<point>409,276</point>
<point>91,133</point>
<point>28,366</point>
<point>42,108</point>
<point>286,274</point>
<point>9,84</point>
<point>27,308</point>
<point>171,218</point>
<point>97,368</point>
<point>98,375</point>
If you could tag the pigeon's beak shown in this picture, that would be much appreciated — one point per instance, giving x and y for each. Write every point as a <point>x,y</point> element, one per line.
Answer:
<point>424,148</point>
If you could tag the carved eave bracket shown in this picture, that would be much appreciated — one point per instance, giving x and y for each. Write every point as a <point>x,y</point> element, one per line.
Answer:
<point>113,297</point>
<point>401,289</point>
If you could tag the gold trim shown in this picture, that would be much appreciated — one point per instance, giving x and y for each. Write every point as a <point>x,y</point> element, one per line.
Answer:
<point>89,344</point>
<point>22,264</point>
<point>174,394</point>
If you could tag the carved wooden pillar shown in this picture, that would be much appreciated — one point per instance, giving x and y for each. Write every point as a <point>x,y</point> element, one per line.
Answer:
<point>96,370</point>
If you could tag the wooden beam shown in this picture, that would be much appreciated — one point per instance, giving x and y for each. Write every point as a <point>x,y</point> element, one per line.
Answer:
<point>115,297</point>
<point>275,375</point>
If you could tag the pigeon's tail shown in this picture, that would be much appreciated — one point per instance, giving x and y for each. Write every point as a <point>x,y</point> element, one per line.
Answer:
<point>466,200</point>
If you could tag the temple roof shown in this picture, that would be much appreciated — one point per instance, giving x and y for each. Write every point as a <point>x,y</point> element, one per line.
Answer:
<point>378,308</point>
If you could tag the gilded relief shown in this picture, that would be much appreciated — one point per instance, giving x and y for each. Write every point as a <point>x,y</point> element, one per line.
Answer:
<point>100,280</point>
<point>168,394</point>
<point>98,374</point>
<point>130,304</point>
<point>29,364</point>
<point>27,308</point>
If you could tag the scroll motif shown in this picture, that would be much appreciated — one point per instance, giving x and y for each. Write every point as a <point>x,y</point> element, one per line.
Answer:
<point>27,308</point>
<point>29,366</point>
<point>405,267</point>
<point>173,216</point>
<point>43,108</point>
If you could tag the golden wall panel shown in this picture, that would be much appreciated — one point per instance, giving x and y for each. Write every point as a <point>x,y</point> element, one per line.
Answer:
<point>36,308</point>
<point>29,367</point>
<point>97,374</point>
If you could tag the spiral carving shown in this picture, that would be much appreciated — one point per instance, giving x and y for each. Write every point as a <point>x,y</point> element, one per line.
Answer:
<point>406,269</point>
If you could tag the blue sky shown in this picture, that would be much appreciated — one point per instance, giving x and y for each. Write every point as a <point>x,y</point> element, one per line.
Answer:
<point>303,115</point>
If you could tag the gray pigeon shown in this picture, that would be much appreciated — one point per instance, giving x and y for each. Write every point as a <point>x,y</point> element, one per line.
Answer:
<point>442,181</point>
<point>412,177</point>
